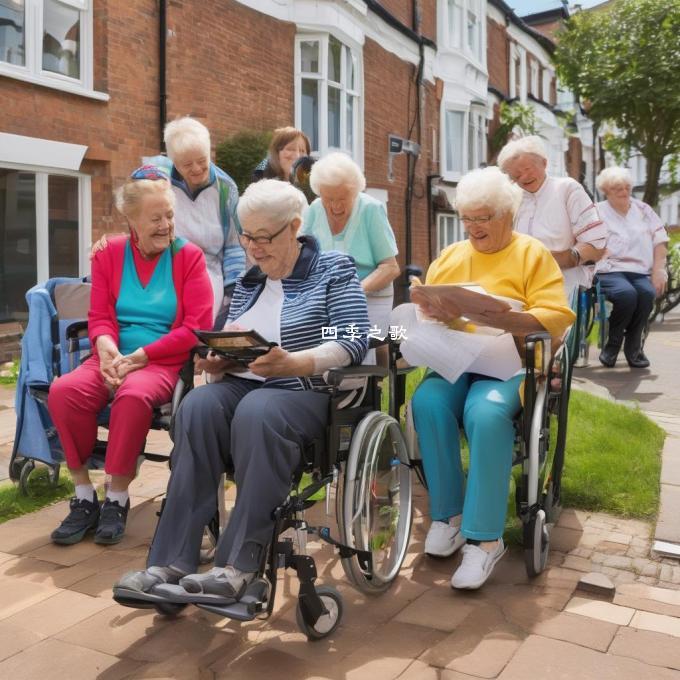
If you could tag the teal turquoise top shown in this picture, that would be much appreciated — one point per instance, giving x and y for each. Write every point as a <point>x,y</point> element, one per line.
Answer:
<point>367,237</point>
<point>145,313</point>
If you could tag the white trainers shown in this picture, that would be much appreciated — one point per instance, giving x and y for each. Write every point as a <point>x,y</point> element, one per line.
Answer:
<point>443,539</point>
<point>476,566</point>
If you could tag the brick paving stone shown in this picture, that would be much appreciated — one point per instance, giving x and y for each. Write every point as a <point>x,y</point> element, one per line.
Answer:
<point>599,584</point>
<point>101,582</point>
<point>645,567</point>
<point>610,548</point>
<point>56,660</point>
<point>666,573</point>
<point>481,647</point>
<point>577,563</point>
<point>618,537</point>
<point>67,555</point>
<point>572,519</point>
<point>387,656</point>
<point>117,630</point>
<point>618,562</point>
<point>559,577</point>
<point>17,595</point>
<point>624,577</point>
<point>652,648</point>
<point>660,623</point>
<point>564,539</point>
<point>438,609</point>
<point>14,639</point>
<point>57,613</point>
<point>580,552</point>
<point>541,657</point>
<point>572,628</point>
<point>604,611</point>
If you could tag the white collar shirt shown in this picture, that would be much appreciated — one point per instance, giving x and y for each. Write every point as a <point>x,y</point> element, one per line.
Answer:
<point>632,238</point>
<point>561,214</point>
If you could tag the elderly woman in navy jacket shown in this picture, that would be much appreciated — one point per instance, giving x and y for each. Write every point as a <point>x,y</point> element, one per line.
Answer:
<point>257,421</point>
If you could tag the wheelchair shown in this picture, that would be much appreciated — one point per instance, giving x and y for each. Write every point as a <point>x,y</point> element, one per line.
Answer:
<point>55,342</point>
<point>539,445</point>
<point>365,458</point>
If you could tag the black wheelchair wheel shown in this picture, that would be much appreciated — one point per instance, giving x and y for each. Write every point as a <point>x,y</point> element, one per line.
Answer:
<point>169,609</point>
<point>328,622</point>
<point>26,470</point>
<point>536,544</point>
<point>374,503</point>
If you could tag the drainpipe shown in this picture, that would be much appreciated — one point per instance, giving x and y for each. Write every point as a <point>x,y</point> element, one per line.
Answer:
<point>162,51</point>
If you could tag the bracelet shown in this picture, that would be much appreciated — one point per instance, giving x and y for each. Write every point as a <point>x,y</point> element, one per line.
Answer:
<point>576,255</point>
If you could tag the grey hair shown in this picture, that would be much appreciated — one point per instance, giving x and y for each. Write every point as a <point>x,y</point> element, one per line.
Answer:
<point>128,198</point>
<point>272,200</point>
<point>532,145</point>
<point>186,134</point>
<point>613,175</point>
<point>488,188</point>
<point>336,169</point>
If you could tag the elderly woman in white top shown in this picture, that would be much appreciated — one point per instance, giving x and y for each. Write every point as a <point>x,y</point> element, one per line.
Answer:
<point>633,273</point>
<point>556,211</point>
<point>205,203</point>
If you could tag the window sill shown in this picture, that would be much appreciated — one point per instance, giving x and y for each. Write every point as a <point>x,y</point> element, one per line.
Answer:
<point>61,85</point>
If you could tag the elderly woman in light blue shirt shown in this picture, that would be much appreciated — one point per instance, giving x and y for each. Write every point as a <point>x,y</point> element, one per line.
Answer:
<point>345,219</point>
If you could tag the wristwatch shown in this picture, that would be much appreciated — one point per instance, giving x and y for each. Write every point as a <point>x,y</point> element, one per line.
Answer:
<point>576,255</point>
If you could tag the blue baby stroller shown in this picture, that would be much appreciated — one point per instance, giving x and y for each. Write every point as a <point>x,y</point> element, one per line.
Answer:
<point>55,342</point>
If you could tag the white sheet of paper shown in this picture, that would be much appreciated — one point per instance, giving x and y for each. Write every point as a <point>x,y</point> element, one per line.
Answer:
<point>452,353</point>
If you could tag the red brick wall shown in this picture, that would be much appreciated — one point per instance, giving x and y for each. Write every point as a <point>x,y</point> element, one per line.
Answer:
<point>402,10</point>
<point>387,111</point>
<point>497,56</point>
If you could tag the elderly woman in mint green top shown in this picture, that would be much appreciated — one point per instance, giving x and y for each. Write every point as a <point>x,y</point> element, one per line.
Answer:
<point>352,222</point>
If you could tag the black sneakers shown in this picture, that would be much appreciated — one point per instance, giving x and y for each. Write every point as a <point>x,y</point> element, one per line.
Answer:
<point>112,520</point>
<point>82,518</point>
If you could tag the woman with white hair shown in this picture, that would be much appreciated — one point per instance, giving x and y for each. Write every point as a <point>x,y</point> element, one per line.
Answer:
<point>206,200</point>
<point>634,271</point>
<point>346,219</point>
<point>555,210</point>
<point>506,264</point>
<point>256,421</point>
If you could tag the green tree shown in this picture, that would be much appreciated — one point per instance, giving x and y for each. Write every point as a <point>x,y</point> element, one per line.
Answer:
<point>624,64</point>
<point>513,117</point>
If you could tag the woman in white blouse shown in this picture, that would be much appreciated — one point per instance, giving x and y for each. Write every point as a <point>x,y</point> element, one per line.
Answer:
<point>555,210</point>
<point>633,273</point>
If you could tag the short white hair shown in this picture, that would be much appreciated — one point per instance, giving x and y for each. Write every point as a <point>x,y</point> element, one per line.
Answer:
<point>272,200</point>
<point>334,170</point>
<point>611,176</point>
<point>186,134</point>
<point>532,144</point>
<point>488,188</point>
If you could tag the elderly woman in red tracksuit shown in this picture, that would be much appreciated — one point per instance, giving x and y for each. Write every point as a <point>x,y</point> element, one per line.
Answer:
<point>149,292</point>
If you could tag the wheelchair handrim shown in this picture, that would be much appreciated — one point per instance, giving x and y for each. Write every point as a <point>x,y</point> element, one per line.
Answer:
<point>358,516</point>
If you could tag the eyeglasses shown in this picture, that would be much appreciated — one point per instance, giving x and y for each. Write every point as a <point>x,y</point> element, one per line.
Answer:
<point>247,239</point>
<point>148,172</point>
<point>483,219</point>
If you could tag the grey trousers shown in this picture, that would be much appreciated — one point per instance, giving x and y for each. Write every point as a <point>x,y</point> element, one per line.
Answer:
<point>260,433</point>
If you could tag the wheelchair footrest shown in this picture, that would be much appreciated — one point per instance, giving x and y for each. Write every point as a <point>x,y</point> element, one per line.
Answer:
<point>247,608</point>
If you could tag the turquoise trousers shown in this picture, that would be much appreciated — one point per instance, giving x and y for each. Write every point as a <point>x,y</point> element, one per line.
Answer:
<point>485,407</point>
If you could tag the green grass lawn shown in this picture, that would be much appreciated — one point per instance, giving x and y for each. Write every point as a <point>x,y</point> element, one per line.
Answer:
<point>13,503</point>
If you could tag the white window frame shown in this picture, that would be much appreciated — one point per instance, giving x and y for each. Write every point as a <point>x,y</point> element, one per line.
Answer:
<point>32,70</point>
<point>547,81</point>
<point>534,85</point>
<point>477,126</point>
<point>453,175</point>
<point>323,39</point>
<point>443,222</point>
<point>451,31</point>
<point>476,51</point>
<point>42,215</point>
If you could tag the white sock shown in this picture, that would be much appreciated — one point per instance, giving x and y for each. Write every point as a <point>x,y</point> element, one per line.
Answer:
<point>120,496</point>
<point>84,492</point>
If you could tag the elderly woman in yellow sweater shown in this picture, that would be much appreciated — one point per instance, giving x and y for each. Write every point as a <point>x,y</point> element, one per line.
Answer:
<point>506,264</point>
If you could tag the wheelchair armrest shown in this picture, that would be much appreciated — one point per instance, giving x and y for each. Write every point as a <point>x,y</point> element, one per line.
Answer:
<point>336,375</point>
<point>530,341</point>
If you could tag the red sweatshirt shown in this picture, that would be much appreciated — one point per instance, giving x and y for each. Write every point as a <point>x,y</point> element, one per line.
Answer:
<point>192,287</point>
